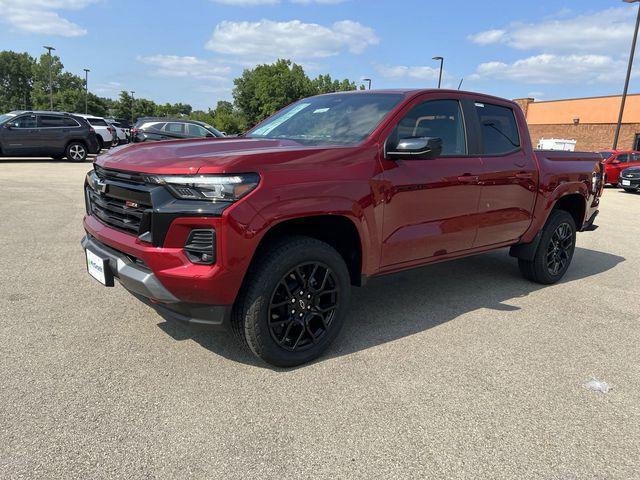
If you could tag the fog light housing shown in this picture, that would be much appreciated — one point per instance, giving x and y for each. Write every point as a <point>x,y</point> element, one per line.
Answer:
<point>200,246</point>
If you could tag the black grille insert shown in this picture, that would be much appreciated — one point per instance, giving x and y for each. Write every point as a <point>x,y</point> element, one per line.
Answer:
<point>200,247</point>
<point>118,213</point>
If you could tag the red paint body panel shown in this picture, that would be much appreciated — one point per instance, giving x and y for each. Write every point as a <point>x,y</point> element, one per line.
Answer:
<point>406,213</point>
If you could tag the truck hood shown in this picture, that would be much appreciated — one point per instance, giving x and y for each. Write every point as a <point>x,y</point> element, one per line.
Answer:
<point>209,156</point>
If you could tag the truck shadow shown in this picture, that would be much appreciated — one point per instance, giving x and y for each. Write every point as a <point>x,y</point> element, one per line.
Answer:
<point>403,304</point>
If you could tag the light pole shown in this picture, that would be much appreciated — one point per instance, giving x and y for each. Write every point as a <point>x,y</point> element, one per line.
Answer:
<point>368,80</point>
<point>86,90</point>
<point>50,68</point>
<point>441,59</point>
<point>132,107</point>
<point>616,137</point>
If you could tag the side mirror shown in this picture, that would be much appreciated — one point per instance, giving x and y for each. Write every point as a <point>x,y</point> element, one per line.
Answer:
<point>416,148</point>
<point>7,126</point>
<point>209,135</point>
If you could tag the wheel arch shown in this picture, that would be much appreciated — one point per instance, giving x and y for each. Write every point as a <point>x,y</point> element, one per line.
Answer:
<point>338,231</point>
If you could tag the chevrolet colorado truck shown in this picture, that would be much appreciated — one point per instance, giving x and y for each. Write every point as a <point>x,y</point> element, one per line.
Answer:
<point>267,233</point>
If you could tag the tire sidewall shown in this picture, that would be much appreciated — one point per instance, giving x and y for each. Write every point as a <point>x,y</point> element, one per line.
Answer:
<point>557,218</point>
<point>256,317</point>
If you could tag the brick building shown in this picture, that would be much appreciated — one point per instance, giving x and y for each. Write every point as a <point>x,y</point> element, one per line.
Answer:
<point>589,121</point>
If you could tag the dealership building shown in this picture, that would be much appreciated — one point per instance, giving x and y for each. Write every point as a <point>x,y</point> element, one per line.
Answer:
<point>591,122</point>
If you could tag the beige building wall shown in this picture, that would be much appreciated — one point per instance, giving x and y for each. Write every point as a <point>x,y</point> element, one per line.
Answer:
<point>589,121</point>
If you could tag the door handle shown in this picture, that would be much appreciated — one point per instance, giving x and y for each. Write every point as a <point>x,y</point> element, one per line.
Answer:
<point>468,178</point>
<point>524,176</point>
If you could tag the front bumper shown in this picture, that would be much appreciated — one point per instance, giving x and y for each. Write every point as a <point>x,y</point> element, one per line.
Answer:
<point>634,183</point>
<point>139,280</point>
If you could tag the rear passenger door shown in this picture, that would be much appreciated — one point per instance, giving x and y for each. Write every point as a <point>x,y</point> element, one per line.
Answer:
<point>51,132</point>
<point>509,176</point>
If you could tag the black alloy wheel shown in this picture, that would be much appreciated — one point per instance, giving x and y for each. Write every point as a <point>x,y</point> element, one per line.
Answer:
<point>303,306</point>
<point>560,249</point>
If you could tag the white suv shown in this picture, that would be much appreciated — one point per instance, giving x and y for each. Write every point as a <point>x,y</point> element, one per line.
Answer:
<point>106,133</point>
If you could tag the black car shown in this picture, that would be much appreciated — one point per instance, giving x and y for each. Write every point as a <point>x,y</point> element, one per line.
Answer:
<point>51,134</point>
<point>154,129</point>
<point>629,179</point>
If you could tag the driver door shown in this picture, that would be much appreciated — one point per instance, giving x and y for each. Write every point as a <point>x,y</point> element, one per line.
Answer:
<point>431,205</point>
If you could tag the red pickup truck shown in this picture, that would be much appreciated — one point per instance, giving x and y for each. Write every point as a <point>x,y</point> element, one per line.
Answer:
<point>267,233</point>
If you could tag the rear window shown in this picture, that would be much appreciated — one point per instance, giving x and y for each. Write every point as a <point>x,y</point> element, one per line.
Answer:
<point>51,121</point>
<point>97,122</point>
<point>500,134</point>
<point>174,128</point>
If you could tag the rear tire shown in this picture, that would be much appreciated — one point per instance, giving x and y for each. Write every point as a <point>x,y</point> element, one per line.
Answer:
<point>293,302</point>
<point>76,152</point>
<point>555,250</point>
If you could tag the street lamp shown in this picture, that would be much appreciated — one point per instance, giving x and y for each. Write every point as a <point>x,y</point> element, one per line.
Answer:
<point>86,90</point>
<point>50,68</point>
<point>626,82</point>
<point>368,80</point>
<point>132,106</point>
<point>441,59</point>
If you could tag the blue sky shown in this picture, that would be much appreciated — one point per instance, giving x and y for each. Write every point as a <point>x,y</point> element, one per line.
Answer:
<point>190,50</point>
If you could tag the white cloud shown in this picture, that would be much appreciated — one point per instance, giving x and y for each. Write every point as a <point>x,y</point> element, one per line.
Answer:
<point>409,72</point>
<point>554,69</point>
<point>603,32</point>
<point>293,39</point>
<point>177,66</point>
<point>41,16</point>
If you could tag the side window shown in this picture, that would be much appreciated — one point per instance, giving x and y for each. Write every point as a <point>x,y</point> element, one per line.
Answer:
<point>500,132</point>
<point>50,121</point>
<point>636,157</point>
<point>435,118</point>
<point>196,130</point>
<point>69,122</point>
<point>623,158</point>
<point>174,128</point>
<point>25,121</point>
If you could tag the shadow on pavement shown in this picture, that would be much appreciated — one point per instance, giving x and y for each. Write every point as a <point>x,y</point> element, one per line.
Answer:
<point>403,304</point>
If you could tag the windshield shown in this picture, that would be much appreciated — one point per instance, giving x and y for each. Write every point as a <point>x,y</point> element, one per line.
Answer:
<point>5,117</point>
<point>605,155</point>
<point>338,119</point>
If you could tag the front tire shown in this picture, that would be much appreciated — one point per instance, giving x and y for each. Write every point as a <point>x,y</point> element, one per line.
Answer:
<point>555,251</point>
<point>293,303</point>
<point>76,152</point>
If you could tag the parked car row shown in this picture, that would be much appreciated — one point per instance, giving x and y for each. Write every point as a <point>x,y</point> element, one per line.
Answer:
<point>75,135</point>
<point>617,163</point>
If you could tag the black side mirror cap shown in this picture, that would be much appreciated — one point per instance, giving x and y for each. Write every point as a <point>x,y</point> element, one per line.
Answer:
<point>415,148</point>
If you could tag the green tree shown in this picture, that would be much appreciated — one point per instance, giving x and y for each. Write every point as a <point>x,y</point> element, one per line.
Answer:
<point>264,90</point>
<point>16,80</point>
<point>325,84</point>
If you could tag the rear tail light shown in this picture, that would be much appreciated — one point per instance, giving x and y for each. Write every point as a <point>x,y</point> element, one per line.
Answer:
<point>134,131</point>
<point>200,247</point>
<point>91,130</point>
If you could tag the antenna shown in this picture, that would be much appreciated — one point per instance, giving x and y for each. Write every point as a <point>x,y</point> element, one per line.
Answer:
<point>460,85</point>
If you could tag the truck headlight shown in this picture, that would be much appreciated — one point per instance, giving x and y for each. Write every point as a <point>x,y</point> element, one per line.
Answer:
<point>215,188</point>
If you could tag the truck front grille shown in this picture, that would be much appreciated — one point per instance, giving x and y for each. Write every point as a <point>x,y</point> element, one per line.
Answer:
<point>125,215</point>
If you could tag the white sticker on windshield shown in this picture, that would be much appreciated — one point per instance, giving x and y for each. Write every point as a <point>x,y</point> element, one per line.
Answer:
<point>269,127</point>
<point>321,110</point>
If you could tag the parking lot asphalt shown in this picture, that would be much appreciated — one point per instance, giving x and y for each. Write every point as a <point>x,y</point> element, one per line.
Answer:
<point>457,370</point>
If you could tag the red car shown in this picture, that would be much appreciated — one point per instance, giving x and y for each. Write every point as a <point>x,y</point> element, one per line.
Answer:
<point>617,160</point>
<point>268,233</point>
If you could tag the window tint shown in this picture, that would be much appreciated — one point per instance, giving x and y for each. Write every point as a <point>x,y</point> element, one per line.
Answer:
<point>49,121</point>
<point>174,127</point>
<point>97,122</point>
<point>197,130</point>
<point>499,129</point>
<point>605,155</point>
<point>436,118</point>
<point>623,157</point>
<point>25,121</point>
<point>152,125</point>
<point>69,122</point>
